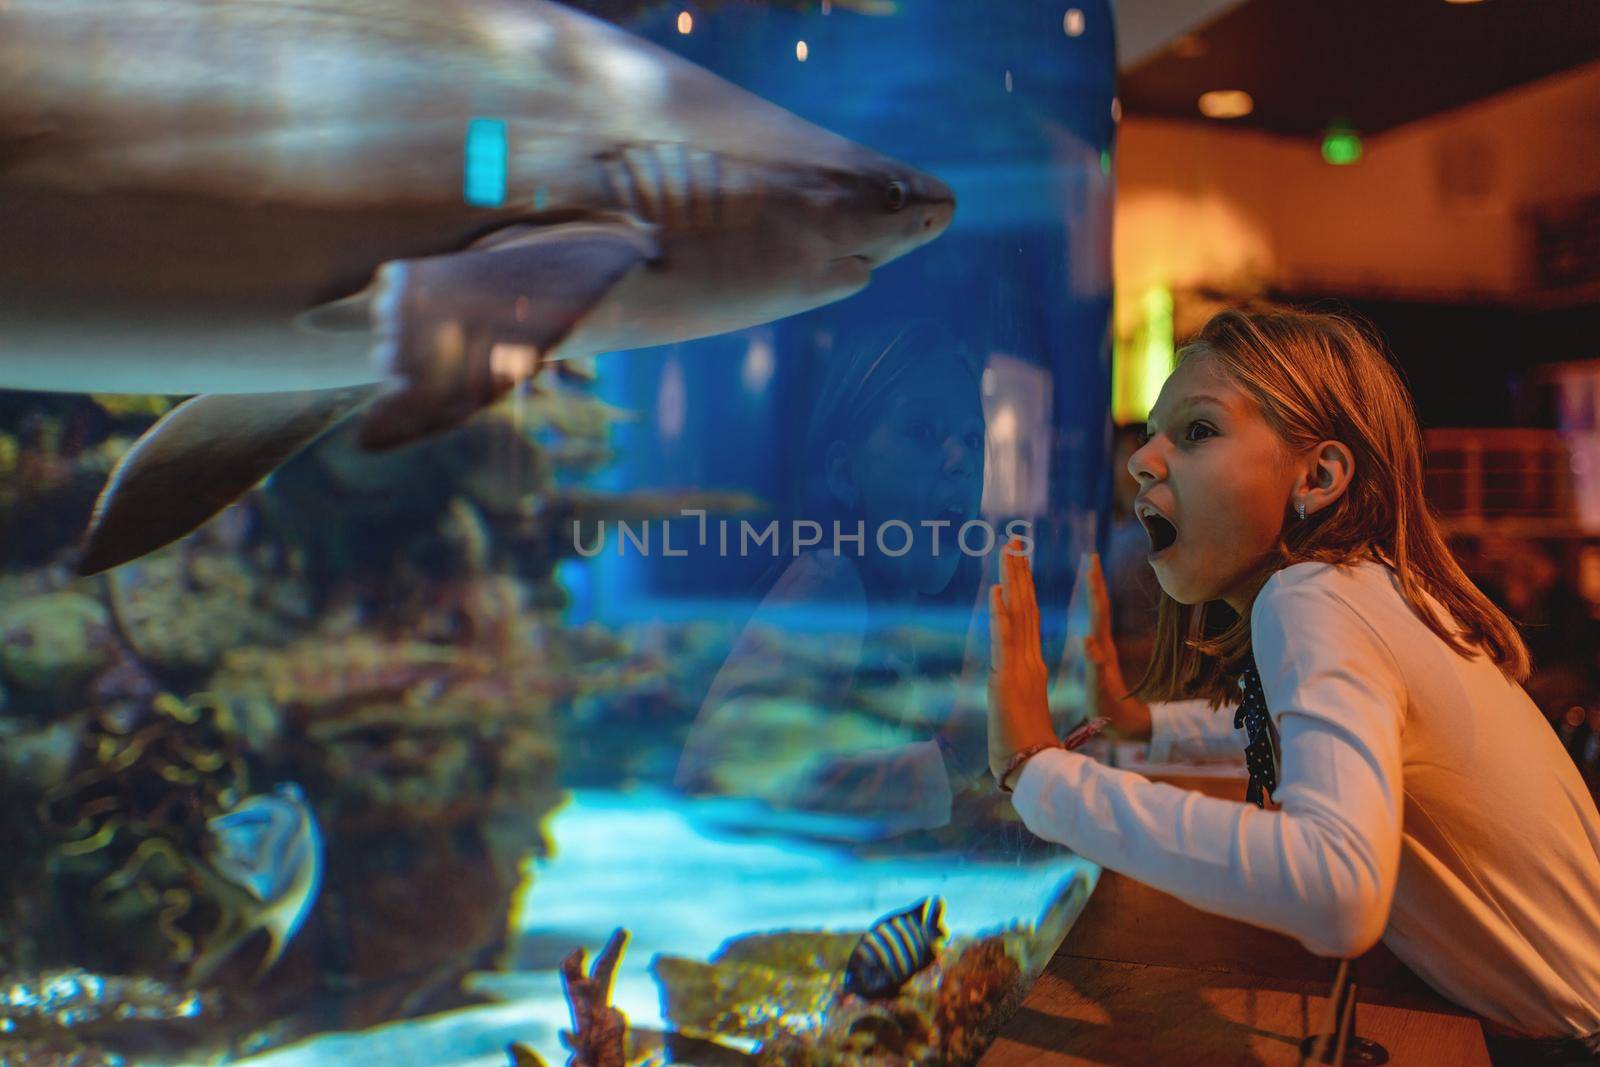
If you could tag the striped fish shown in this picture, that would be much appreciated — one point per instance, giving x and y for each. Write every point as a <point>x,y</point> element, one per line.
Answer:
<point>897,947</point>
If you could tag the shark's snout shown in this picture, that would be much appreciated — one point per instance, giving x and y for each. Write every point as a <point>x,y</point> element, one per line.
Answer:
<point>926,211</point>
<point>934,201</point>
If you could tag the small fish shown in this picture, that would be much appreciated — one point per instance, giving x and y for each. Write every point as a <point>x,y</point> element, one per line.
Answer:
<point>897,947</point>
<point>270,847</point>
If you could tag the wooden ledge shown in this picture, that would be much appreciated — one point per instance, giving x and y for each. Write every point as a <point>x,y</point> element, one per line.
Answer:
<point>1145,979</point>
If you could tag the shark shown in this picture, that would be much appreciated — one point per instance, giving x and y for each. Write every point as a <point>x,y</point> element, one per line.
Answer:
<point>297,211</point>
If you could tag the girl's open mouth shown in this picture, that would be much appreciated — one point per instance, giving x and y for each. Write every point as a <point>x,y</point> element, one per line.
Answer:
<point>1162,532</point>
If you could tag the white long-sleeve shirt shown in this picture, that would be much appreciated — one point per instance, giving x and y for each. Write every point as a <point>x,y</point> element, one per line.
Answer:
<point>1423,797</point>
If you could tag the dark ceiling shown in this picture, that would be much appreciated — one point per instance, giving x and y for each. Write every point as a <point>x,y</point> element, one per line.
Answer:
<point>1375,64</point>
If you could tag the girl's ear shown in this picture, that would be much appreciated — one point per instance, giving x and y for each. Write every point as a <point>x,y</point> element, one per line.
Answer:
<point>841,477</point>
<point>1328,470</point>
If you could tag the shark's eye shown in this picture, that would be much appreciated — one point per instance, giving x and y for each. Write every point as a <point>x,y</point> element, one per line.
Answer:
<point>895,195</point>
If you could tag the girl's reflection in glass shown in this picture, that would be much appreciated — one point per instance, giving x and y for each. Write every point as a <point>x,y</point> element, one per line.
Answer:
<point>842,694</point>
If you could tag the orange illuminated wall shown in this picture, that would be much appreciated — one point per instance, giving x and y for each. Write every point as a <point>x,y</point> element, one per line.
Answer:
<point>1434,209</point>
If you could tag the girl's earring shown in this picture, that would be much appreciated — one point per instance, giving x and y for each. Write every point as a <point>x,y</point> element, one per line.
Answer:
<point>1300,510</point>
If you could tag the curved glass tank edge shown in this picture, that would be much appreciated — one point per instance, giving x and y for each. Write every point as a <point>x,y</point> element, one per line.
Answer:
<point>744,756</point>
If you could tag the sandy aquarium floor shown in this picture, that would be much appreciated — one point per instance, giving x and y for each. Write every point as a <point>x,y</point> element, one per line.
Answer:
<point>683,876</point>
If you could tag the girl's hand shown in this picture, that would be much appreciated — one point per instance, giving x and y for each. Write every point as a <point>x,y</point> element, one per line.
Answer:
<point>1019,707</point>
<point>1102,672</point>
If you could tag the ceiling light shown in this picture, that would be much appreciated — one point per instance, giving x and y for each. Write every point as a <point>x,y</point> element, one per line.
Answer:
<point>1226,104</point>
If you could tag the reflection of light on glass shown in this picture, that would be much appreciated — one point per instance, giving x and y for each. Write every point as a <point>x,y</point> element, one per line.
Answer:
<point>1008,81</point>
<point>1003,427</point>
<point>672,401</point>
<point>512,32</point>
<point>1073,22</point>
<point>1116,109</point>
<point>685,22</point>
<point>801,51</point>
<point>1016,408</point>
<point>513,361</point>
<point>627,73</point>
<point>827,7</point>
<point>758,365</point>
<point>1226,104</point>
<point>485,158</point>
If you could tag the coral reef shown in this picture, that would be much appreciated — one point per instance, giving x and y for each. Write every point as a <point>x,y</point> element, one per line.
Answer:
<point>599,1031</point>
<point>432,768</point>
<point>49,1003</point>
<point>384,631</point>
<point>56,1019</point>
<point>980,991</point>
<point>760,986</point>
<point>181,608</point>
<point>55,453</point>
<point>53,646</point>
<point>784,990</point>
<point>125,888</point>
<point>523,1056</point>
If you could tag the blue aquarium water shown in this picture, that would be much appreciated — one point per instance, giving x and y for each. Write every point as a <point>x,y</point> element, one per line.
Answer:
<point>582,525</point>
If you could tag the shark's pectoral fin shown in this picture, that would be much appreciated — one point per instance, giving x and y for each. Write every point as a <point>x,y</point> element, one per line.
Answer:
<point>457,332</point>
<point>200,457</point>
<point>353,314</point>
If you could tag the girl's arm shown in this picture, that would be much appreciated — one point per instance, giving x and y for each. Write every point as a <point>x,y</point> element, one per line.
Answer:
<point>1323,868</point>
<point>1192,729</point>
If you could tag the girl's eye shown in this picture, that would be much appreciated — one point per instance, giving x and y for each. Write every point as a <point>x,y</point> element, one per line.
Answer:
<point>1199,431</point>
<point>1144,437</point>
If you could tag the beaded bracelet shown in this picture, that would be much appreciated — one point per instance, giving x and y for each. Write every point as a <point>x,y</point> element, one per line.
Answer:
<point>1077,737</point>
<point>1017,760</point>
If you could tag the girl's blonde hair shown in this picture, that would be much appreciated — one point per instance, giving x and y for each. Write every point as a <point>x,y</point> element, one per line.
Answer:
<point>1319,377</point>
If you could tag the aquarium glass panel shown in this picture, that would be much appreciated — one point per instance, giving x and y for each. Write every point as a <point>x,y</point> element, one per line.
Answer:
<point>498,501</point>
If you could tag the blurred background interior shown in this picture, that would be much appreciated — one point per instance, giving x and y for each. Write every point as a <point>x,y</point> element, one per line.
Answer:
<point>411,639</point>
<point>1433,165</point>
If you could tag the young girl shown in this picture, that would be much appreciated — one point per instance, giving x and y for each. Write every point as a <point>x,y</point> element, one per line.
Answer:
<point>1421,797</point>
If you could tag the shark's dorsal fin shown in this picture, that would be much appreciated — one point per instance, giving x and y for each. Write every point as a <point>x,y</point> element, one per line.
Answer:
<point>457,332</point>
<point>199,458</point>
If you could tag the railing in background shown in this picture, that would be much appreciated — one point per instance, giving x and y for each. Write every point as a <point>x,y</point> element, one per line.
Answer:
<point>1515,483</point>
<point>1521,508</point>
